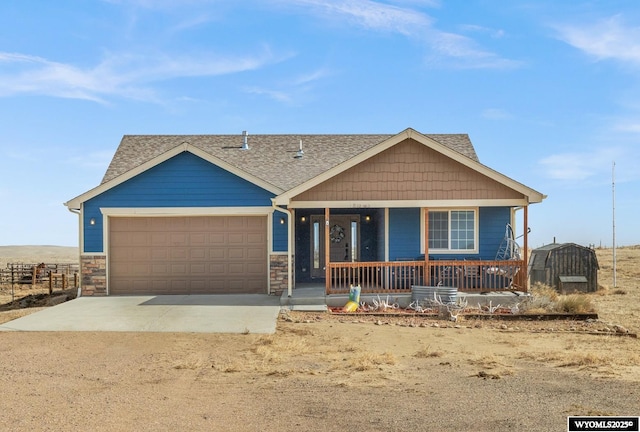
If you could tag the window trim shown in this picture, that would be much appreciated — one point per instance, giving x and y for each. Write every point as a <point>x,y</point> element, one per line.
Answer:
<point>476,233</point>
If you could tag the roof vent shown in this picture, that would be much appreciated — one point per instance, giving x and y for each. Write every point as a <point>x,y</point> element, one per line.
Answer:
<point>300,151</point>
<point>245,138</point>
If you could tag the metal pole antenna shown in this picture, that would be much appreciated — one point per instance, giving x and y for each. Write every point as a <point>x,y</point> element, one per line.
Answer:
<point>613,194</point>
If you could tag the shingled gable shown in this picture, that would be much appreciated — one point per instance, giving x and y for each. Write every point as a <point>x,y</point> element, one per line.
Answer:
<point>270,162</point>
<point>531,195</point>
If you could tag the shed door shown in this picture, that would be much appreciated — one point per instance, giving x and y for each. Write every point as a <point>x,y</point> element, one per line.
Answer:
<point>188,255</point>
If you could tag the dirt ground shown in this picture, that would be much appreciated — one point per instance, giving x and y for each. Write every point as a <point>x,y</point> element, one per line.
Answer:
<point>336,373</point>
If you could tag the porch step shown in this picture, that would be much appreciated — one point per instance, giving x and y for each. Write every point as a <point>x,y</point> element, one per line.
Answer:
<point>308,308</point>
<point>310,299</point>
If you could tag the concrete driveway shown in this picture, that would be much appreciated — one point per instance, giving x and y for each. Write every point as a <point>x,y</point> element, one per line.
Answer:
<point>246,313</point>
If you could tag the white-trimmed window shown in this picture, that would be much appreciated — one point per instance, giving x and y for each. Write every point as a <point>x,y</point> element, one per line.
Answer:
<point>453,230</point>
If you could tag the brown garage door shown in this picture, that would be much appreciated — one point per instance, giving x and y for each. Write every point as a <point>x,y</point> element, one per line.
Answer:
<point>188,255</point>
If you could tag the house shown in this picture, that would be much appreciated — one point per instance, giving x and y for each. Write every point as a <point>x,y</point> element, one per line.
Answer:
<point>567,267</point>
<point>188,214</point>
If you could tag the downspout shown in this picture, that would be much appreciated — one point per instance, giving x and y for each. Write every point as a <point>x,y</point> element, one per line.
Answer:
<point>289,244</point>
<point>79,213</point>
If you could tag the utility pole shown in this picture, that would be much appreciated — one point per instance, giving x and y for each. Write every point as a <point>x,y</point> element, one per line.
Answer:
<point>613,194</point>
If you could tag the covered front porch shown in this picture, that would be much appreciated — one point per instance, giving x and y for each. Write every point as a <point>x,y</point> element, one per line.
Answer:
<point>386,250</point>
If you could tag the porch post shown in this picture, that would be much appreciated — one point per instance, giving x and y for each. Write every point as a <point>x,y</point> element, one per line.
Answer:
<point>327,250</point>
<point>426,246</point>
<point>525,255</point>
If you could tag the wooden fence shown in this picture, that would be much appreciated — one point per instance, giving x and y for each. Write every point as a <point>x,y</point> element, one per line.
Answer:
<point>33,274</point>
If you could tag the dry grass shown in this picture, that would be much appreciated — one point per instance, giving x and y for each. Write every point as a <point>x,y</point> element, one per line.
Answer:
<point>488,361</point>
<point>588,359</point>
<point>573,303</point>
<point>546,299</point>
<point>541,357</point>
<point>367,361</point>
<point>426,352</point>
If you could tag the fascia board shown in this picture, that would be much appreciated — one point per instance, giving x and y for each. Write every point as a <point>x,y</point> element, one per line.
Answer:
<point>75,202</point>
<point>185,211</point>
<point>462,203</point>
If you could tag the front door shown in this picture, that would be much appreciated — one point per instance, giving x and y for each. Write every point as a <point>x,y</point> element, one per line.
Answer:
<point>344,240</point>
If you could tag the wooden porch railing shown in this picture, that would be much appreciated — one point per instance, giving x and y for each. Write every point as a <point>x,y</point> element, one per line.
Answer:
<point>399,276</point>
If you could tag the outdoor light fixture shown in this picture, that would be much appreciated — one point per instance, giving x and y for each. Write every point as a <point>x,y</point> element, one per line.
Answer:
<point>303,219</point>
<point>282,221</point>
<point>92,221</point>
<point>367,218</point>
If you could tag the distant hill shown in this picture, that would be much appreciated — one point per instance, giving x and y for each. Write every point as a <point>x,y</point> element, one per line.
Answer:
<point>38,254</point>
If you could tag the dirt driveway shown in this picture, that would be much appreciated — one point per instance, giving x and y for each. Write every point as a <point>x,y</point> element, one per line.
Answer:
<point>319,373</point>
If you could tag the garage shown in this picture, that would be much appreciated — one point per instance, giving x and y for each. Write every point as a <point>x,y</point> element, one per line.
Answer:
<point>188,255</point>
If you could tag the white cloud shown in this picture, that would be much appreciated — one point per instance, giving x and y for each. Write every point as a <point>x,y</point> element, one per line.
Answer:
<point>496,114</point>
<point>291,89</point>
<point>628,125</point>
<point>278,95</point>
<point>606,39</point>
<point>496,34</point>
<point>158,4</point>
<point>369,14</point>
<point>447,48</point>
<point>579,166</point>
<point>122,75</point>
<point>311,77</point>
<point>462,52</point>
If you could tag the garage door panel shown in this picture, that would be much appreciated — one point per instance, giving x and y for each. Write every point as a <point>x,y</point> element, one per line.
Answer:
<point>177,224</point>
<point>255,238</point>
<point>140,254</point>
<point>236,269</point>
<point>197,253</point>
<point>160,269</point>
<point>179,270</point>
<point>139,239</point>
<point>237,239</point>
<point>256,254</point>
<point>188,255</point>
<point>255,269</point>
<point>179,239</point>
<point>159,254</point>
<point>178,253</point>
<point>159,239</point>
<point>141,268</point>
<point>236,253</point>
<point>236,223</point>
<point>197,223</point>
<point>217,254</point>
<point>197,238</point>
<point>217,239</point>
<point>198,269</point>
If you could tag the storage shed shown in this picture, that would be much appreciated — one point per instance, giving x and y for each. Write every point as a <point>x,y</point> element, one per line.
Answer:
<point>567,267</point>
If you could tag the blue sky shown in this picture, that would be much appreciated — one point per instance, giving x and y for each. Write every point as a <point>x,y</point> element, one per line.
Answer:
<point>549,92</point>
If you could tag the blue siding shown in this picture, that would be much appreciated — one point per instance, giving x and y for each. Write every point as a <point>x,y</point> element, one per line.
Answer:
<point>491,224</point>
<point>280,232</point>
<point>404,233</point>
<point>493,221</point>
<point>184,180</point>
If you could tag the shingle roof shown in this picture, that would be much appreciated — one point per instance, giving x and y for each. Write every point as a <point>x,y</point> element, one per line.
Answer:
<point>270,158</point>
